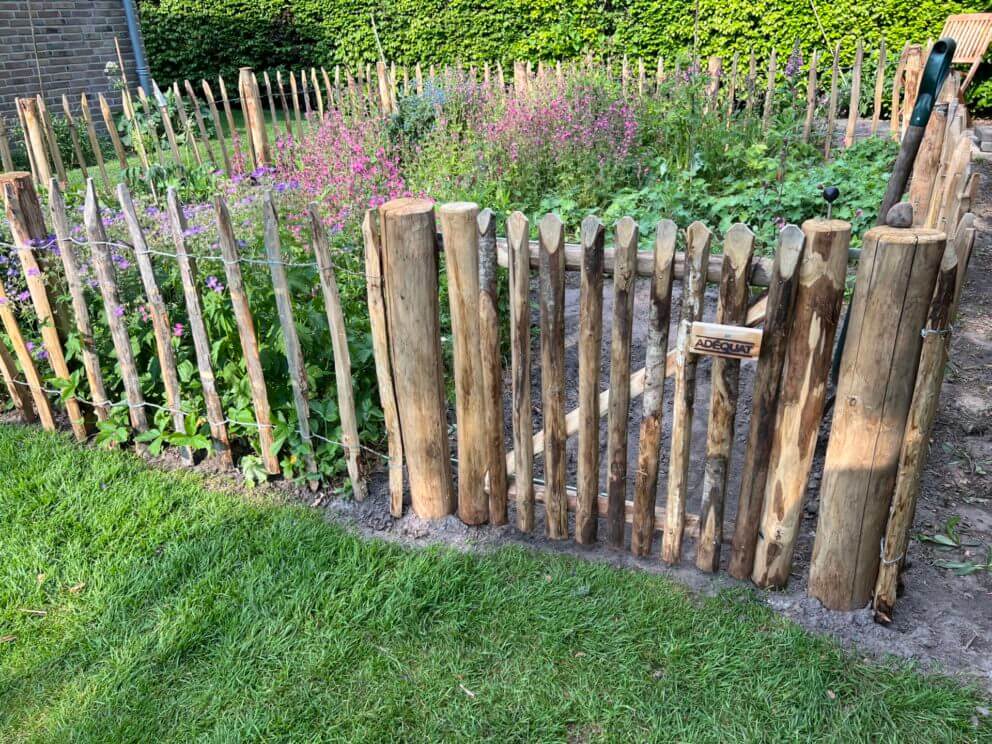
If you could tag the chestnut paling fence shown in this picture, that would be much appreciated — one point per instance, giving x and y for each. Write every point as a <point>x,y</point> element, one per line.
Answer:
<point>782,312</point>
<point>195,124</point>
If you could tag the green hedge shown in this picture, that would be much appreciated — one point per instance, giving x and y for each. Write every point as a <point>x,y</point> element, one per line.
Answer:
<point>198,38</point>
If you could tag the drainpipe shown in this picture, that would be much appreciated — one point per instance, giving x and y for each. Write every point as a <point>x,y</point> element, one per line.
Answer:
<point>137,45</point>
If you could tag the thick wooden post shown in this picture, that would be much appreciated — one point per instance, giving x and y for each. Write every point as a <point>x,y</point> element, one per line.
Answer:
<point>590,350</point>
<point>927,165</point>
<point>251,104</point>
<point>622,326</point>
<point>737,249</point>
<point>698,239</point>
<point>517,231</point>
<point>413,321</point>
<point>492,373</point>
<point>656,368</point>
<point>764,400</point>
<point>460,228</point>
<point>802,395</point>
<point>380,351</point>
<point>896,277</point>
<point>6,158</point>
<point>552,303</point>
<point>342,359</point>
<point>246,333</point>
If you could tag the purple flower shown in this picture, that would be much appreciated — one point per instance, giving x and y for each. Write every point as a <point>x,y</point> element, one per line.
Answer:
<point>214,284</point>
<point>177,330</point>
<point>119,311</point>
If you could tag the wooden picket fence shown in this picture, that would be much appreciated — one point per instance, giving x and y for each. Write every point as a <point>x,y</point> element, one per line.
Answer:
<point>780,312</point>
<point>290,100</point>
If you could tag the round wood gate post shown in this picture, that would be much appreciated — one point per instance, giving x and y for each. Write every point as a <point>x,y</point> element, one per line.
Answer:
<point>410,275</point>
<point>896,277</point>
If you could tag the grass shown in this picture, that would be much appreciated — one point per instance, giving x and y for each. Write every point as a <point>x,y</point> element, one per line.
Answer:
<point>173,612</point>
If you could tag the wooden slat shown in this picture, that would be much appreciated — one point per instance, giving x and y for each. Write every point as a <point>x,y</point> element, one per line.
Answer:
<point>27,228</point>
<point>380,352</point>
<point>108,120</point>
<point>853,111</point>
<point>738,245</point>
<point>94,142</point>
<point>698,248</point>
<point>215,118</point>
<point>104,268</point>
<point>766,115</point>
<point>876,111</point>
<point>31,376</point>
<point>492,373</point>
<point>552,303</point>
<point>764,400</point>
<point>522,458</point>
<point>53,143</point>
<point>198,330</point>
<point>77,145</point>
<point>655,367</point>
<point>229,116</point>
<point>590,351</point>
<point>161,325</point>
<point>284,308</point>
<point>246,333</point>
<point>621,330</point>
<point>342,358</point>
<point>17,389</point>
<point>811,83</point>
<point>805,371</point>
<point>832,105</point>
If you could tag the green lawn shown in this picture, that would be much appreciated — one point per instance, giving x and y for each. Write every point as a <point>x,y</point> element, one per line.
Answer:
<point>173,613</point>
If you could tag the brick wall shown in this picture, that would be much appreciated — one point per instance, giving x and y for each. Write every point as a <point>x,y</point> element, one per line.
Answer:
<point>73,41</point>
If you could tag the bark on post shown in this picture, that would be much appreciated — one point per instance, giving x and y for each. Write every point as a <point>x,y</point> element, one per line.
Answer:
<point>251,104</point>
<point>28,108</point>
<point>342,360</point>
<point>552,303</point>
<point>764,400</point>
<point>159,315</point>
<point>802,395</point>
<point>927,164</point>
<point>246,333</point>
<point>698,247</point>
<point>622,327</point>
<point>656,368</point>
<point>291,339</point>
<point>413,321</point>
<point>103,265</point>
<point>460,229</point>
<point>876,112</point>
<point>853,109</point>
<point>17,389</point>
<point>913,452</point>
<point>198,331</point>
<point>32,380</point>
<point>590,348</point>
<point>737,249</point>
<point>27,227</point>
<point>492,374</point>
<point>380,351</point>
<point>895,283</point>
<point>517,231</point>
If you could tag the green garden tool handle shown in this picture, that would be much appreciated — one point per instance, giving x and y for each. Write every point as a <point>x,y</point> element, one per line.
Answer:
<point>934,74</point>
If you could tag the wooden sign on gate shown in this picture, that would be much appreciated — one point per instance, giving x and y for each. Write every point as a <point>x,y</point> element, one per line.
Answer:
<point>731,341</point>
